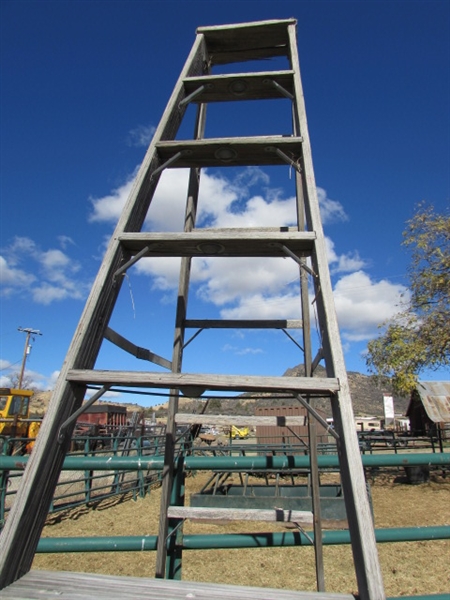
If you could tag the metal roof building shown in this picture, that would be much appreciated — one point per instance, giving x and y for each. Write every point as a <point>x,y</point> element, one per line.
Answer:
<point>429,407</point>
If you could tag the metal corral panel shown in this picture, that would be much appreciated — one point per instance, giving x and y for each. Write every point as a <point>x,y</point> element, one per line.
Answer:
<point>268,434</point>
<point>435,397</point>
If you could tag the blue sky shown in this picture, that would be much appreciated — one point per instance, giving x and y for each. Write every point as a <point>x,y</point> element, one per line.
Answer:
<point>83,86</point>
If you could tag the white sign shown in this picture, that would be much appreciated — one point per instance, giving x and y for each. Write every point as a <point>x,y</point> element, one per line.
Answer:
<point>388,408</point>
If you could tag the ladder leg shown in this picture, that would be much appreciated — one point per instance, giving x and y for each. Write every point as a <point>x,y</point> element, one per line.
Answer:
<point>365,555</point>
<point>177,358</point>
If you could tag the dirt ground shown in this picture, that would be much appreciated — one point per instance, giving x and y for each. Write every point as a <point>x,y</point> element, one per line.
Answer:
<point>408,568</point>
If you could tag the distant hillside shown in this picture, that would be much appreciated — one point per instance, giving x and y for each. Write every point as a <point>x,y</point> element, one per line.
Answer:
<point>367,398</point>
<point>40,402</point>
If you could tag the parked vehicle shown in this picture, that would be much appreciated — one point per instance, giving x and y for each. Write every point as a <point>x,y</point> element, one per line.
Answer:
<point>15,419</point>
<point>241,433</point>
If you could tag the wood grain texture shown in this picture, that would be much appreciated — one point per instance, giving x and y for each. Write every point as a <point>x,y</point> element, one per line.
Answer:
<point>204,243</point>
<point>239,86</point>
<point>243,323</point>
<point>225,420</point>
<point>43,585</point>
<point>302,517</point>
<point>244,151</point>
<point>244,383</point>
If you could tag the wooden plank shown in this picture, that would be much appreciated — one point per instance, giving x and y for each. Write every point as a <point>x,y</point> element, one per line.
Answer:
<point>302,517</point>
<point>225,420</point>
<point>40,585</point>
<point>200,243</point>
<point>246,41</point>
<point>243,323</point>
<point>183,381</point>
<point>239,86</point>
<point>230,152</point>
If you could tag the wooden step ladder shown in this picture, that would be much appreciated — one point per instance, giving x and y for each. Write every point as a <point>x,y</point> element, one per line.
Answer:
<point>304,244</point>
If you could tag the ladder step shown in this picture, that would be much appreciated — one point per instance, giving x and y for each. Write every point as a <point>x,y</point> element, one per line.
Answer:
<point>239,86</point>
<point>185,381</point>
<point>220,152</point>
<point>302,517</point>
<point>228,243</point>
<point>93,586</point>
<point>228,420</point>
<point>247,41</point>
<point>243,324</point>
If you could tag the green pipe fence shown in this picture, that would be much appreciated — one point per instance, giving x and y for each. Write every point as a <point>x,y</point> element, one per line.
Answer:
<point>235,540</point>
<point>89,484</point>
<point>232,463</point>
<point>236,463</point>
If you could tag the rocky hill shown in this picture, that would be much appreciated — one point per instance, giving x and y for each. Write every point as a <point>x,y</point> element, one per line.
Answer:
<point>367,398</point>
<point>367,395</point>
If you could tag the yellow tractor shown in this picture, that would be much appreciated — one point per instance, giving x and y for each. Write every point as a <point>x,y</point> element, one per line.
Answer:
<point>239,433</point>
<point>15,419</point>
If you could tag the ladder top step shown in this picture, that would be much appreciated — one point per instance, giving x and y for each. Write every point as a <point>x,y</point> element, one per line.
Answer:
<point>189,382</point>
<point>240,86</point>
<point>241,514</point>
<point>206,243</point>
<point>230,152</point>
<point>247,41</point>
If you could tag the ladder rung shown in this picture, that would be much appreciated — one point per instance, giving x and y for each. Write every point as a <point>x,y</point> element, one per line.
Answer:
<point>281,515</point>
<point>184,381</point>
<point>243,324</point>
<point>223,152</point>
<point>239,86</point>
<point>243,420</point>
<point>247,41</point>
<point>204,243</point>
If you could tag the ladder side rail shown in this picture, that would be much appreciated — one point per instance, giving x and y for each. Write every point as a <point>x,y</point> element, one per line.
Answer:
<point>308,365</point>
<point>26,519</point>
<point>168,481</point>
<point>365,554</point>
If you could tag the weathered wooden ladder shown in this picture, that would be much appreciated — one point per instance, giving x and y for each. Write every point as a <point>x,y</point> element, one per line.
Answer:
<point>304,244</point>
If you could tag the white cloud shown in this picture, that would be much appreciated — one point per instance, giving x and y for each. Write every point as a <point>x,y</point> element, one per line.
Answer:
<point>4,364</point>
<point>228,279</point>
<point>331,211</point>
<point>45,275</point>
<point>12,279</point>
<point>141,136</point>
<point>343,263</point>
<point>109,208</point>
<point>251,287</point>
<point>362,304</point>
<point>5,381</point>
<point>52,380</point>
<point>258,306</point>
<point>32,379</point>
<point>241,351</point>
<point>65,241</point>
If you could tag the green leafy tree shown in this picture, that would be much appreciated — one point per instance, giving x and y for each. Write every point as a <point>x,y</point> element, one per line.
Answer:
<point>418,338</point>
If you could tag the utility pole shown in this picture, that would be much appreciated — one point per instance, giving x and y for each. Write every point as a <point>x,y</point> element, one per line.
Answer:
<point>26,350</point>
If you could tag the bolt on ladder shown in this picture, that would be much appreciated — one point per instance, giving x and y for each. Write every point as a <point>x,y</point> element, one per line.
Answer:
<point>304,243</point>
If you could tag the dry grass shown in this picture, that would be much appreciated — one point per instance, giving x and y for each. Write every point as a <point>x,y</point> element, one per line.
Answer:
<point>408,568</point>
